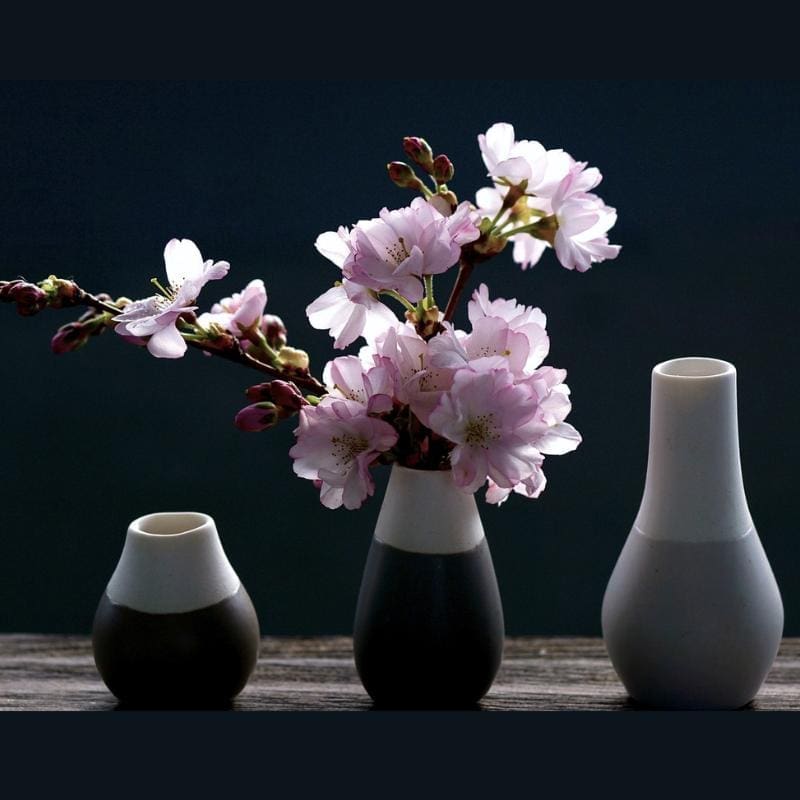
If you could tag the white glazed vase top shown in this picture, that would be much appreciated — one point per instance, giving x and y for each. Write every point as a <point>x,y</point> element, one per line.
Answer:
<point>423,511</point>
<point>692,616</point>
<point>694,490</point>
<point>172,562</point>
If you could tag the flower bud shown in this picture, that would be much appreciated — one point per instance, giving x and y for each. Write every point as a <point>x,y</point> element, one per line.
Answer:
<point>274,330</point>
<point>403,176</point>
<point>30,299</point>
<point>257,417</point>
<point>443,169</point>
<point>70,337</point>
<point>61,293</point>
<point>291,357</point>
<point>259,392</point>
<point>450,198</point>
<point>419,151</point>
<point>6,287</point>
<point>287,397</point>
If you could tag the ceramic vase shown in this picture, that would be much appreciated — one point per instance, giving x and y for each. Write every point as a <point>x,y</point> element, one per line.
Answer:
<point>429,621</point>
<point>175,625</point>
<point>692,616</point>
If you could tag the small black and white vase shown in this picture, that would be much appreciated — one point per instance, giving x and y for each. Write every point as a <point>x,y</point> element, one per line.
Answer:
<point>175,626</point>
<point>429,626</point>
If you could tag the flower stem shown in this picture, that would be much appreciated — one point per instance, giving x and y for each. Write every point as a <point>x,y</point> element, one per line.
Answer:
<point>86,299</point>
<point>400,299</point>
<point>465,268</point>
<point>429,291</point>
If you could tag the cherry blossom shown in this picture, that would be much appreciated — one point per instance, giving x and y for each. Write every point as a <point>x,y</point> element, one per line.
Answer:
<point>349,311</point>
<point>486,416</point>
<point>374,388</point>
<point>336,444</point>
<point>583,221</point>
<point>240,312</point>
<point>514,161</point>
<point>418,383</point>
<point>156,317</point>
<point>395,250</point>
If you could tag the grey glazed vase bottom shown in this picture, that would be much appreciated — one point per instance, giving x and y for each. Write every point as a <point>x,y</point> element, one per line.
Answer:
<point>692,624</point>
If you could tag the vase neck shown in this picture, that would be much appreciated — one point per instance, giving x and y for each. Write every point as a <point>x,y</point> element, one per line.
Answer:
<point>694,489</point>
<point>425,512</point>
<point>172,563</point>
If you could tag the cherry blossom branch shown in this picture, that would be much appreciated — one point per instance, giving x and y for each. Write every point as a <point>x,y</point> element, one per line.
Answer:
<point>465,267</point>
<point>238,356</point>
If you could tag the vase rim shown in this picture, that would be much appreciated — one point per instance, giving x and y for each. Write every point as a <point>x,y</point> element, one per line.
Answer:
<point>694,368</point>
<point>170,523</point>
<point>416,469</point>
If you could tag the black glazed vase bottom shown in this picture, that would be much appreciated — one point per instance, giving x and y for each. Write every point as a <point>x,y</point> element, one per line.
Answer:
<point>429,628</point>
<point>198,659</point>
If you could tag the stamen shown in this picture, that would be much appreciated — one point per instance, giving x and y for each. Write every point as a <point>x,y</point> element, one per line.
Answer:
<point>398,251</point>
<point>480,431</point>
<point>347,447</point>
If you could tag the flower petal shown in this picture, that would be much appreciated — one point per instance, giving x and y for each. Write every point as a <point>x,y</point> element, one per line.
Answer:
<point>167,343</point>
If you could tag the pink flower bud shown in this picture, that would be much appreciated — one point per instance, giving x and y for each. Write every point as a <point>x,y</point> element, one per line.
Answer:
<point>403,176</point>
<point>419,151</point>
<point>30,299</point>
<point>259,392</point>
<point>274,330</point>
<point>70,337</point>
<point>257,417</point>
<point>287,396</point>
<point>443,169</point>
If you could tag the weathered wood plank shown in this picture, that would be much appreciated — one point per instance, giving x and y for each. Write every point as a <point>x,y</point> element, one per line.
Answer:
<point>57,673</point>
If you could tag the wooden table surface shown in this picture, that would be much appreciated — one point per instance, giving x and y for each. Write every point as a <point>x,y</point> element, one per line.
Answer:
<point>57,673</point>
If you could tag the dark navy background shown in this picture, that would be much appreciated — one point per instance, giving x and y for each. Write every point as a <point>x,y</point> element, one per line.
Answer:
<point>95,178</point>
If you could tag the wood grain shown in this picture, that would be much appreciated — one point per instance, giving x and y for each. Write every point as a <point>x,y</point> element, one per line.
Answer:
<point>57,673</point>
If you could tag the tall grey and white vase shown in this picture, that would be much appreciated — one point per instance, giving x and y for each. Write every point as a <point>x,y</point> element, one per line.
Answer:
<point>429,624</point>
<point>692,616</point>
<point>175,625</point>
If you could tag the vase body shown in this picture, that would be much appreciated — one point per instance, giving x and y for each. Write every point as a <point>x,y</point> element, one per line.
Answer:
<point>429,624</point>
<point>175,625</point>
<point>692,616</point>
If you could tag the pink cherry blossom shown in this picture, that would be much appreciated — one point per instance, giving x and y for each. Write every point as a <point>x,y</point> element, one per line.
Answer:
<point>418,383</point>
<point>527,320</point>
<point>336,444</point>
<point>241,311</point>
<point>583,221</point>
<point>531,487</point>
<point>155,317</point>
<point>394,251</point>
<point>374,388</point>
<point>487,417</point>
<point>514,161</point>
<point>492,344</point>
<point>349,311</point>
<point>504,335</point>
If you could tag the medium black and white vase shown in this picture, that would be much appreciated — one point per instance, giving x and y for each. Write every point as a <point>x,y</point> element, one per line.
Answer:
<point>692,616</point>
<point>175,625</point>
<point>429,621</point>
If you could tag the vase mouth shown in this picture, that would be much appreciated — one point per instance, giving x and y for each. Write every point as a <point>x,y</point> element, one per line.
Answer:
<point>171,523</point>
<point>694,367</point>
<point>422,469</point>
